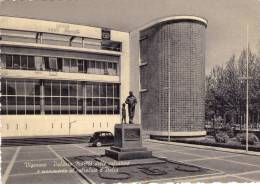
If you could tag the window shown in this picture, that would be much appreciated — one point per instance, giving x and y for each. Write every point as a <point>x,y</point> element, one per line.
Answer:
<point>55,88</point>
<point>47,88</point>
<point>3,87</point>
<point>73,65</point>
<point>9,61</point>
<point>64,89</point>
<point>16,62</point>
<point>39,63</point>
<point>3,61</point>
<point>95,90</point>
<point>66,65</point>
<point>59,64</point>
<point>80,66</point>
<point>31,63</point>
<point>53,64</point>
<point>44,63</point>
<point>24,62</point>
<point>73,89</point>
<point>22,96</point>
<point>11,87</point>
<point>20,87</point>
<point>86,64</point>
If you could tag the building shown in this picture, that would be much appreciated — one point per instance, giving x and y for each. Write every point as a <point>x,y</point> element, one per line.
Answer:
<point>172,76</point>
<point>62,79</point>
<point>59,78</point>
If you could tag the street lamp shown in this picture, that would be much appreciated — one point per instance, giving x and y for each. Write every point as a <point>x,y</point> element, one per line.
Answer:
<point>247,86</point>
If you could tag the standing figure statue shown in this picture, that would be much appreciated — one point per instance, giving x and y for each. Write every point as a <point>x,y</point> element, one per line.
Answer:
<point>123,113</point>
<point>131,101</point>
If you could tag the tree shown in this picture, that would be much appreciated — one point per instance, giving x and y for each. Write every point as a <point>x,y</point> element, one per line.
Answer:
<point>226,91</point>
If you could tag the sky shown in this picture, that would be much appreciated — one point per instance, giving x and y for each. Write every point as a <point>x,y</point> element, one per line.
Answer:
<point>227,19</point>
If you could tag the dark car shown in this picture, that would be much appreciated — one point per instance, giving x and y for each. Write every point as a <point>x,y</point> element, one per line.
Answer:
<point>102,138</point>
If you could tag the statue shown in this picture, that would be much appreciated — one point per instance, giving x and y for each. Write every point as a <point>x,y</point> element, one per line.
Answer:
<point>123,113</point>
<point>131,101</point>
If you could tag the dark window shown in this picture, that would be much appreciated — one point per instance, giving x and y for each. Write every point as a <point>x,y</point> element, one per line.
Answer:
<point>89,106</point>
<point>3,87</point>
<point>73,89</point>
<point>103,106</point>
<point>53,64</point>
<point>47,88</point>
<point>86,64</point>
<point>37,87</point>
<point>11,87</point>
<point>9,62</point>
<point>56,88</point>
<point>89,90</point>
<point>73,105</point>
<point>37,105</point>
<point>96,104</point>
<point>110,109</point>
<point>46,63</point>
<point>64,105</point>
<point>59,63</point>
<point>55,105</point>
<point>47,105</point>
<point>116,90</point>
<point>31,63</point>
<point>29,105</point>
<point>20,105</point>
<point>80,106</point>
<point>24,62</point>
<point>95,90</point>
<point>11,100</point>
<point>103,90</point>
<point>109,90</point>
<point>81,66</point>
<point>16,62</point>
<point>64,88</point>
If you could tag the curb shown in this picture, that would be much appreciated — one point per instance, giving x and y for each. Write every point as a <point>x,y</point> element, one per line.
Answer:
<point>252,153</point>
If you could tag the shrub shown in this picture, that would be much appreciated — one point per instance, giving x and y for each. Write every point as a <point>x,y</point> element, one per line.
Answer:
<point>252,138</point>
<point>221,137</point>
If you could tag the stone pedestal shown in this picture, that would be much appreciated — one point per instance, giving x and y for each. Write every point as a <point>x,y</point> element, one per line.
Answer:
<point>128,143</point>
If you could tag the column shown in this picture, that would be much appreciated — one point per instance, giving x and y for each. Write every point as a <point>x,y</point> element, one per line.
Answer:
<point>42,97</point>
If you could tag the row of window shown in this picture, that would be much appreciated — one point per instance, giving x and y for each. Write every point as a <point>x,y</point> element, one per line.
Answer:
<point>24,96</point>
<point>58,105</point>
<point>26,87</point>
<point>39,63</point>
<point>59,40</point>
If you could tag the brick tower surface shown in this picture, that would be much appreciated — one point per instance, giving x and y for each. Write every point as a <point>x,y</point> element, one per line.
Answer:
<point>172,76</point>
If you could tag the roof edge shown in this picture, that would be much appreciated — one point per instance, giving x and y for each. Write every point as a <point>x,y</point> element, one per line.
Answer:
<point>174,18</point>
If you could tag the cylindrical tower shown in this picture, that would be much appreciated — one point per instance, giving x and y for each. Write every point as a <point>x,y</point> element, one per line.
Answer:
<point>172,76</point>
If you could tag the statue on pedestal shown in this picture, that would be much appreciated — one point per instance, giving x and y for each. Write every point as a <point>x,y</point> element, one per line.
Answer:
<point>131,101</point>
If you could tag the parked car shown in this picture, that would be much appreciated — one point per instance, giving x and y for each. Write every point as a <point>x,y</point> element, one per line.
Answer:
<point>102,138</point>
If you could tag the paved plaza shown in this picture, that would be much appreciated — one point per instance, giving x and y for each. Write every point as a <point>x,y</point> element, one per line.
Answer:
<point>24,164</point>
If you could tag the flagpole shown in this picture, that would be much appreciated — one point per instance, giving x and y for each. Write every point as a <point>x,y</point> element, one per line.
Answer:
<point>247,88</point>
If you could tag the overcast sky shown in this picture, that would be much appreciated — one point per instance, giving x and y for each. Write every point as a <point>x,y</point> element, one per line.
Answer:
<point>226,32</point>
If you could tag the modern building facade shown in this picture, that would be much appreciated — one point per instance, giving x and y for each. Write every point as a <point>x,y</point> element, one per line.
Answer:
<point>172,76</point>
<point>66,79</point>
<point>59,78</point>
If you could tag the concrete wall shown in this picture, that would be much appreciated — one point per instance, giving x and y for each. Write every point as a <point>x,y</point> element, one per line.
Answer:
<point>44,125</point>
